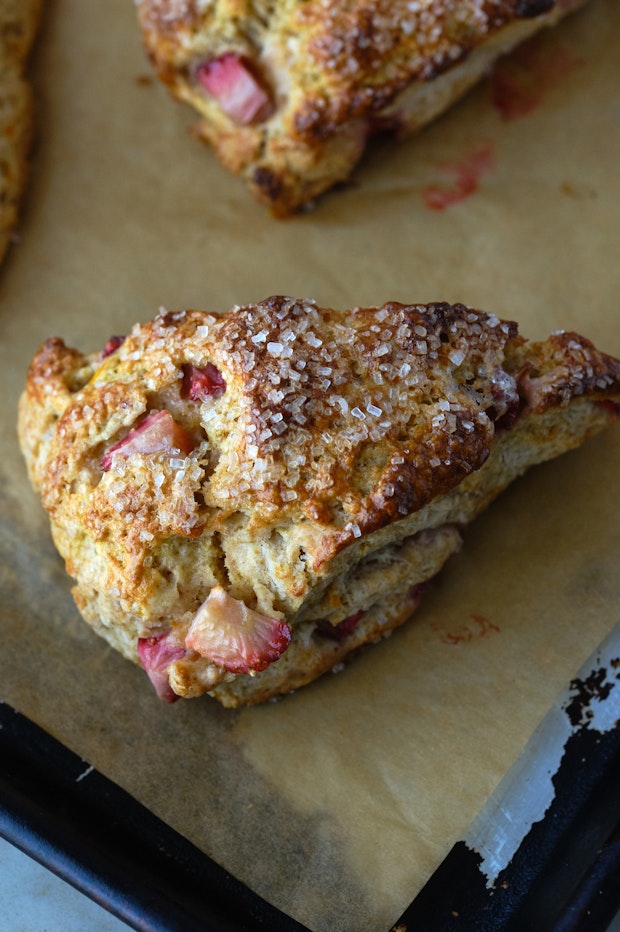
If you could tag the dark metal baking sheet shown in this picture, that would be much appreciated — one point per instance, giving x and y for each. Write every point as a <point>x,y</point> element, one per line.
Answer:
<point>565,876</point>
<point>95,836</point>
<point>562,875</point>
<point>544,853</point>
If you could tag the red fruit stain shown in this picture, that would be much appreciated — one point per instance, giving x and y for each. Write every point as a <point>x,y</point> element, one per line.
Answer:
<point>612,406</point>
<point>466,174</point>
<point>477,627</point>
<point>521,81</point>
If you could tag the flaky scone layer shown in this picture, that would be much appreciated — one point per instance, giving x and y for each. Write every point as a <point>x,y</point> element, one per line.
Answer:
<point>313,465</point>
<point>290,92</point>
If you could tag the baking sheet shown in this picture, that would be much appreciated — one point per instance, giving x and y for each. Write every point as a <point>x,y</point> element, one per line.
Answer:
<point>543,854</point>
<point>66,815</point>
<point>336,804</point>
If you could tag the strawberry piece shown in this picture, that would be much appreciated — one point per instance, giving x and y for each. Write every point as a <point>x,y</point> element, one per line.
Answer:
<point>157,433</point>
<point>507,403</point>
<point>231,82</point>
<point>111,346</point>
<point>156,655</point>
<point>416,594</point>
<point>340,631</point>
<point>346,627</point>
<point>199,384</point>
<point>234,636</point>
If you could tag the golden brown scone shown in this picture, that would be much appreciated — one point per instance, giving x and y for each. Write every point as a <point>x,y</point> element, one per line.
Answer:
<point>245,499</point>
<point>18,24</point>
<point>290,92</point>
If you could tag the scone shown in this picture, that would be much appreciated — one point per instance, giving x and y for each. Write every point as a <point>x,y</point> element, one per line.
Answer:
<point>289,93</point>
<point>18,24</point>
<point>245,499</point>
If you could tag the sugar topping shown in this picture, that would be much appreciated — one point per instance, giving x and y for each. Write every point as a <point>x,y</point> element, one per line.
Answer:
<point>399,36</point>
<point>310,389</point>
<point>348,417</point>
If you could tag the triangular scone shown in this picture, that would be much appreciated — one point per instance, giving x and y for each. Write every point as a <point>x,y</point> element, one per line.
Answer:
<point>245,499</point>
<point>290,93</point>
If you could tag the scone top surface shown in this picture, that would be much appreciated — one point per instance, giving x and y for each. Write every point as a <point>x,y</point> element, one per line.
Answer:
<point>325,425</point>
<point>361,44</point>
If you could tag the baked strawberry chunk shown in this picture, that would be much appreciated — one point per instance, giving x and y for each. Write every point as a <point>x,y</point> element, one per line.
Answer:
<point>156,655</point>
<point>201,383</point>
<point>340,631</point>
<point>232,83</point>
<point>157,433</point>
<point>112,345</point>
<point>234,636</point>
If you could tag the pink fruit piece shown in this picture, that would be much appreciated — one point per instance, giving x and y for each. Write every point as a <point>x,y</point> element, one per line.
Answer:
<point>157,433</point>
<point>156,654</point>
<point>111,346</point>
<point>230,80</point>
<point>234,636</point>
<point>201,383</point>
<point>340,631</point>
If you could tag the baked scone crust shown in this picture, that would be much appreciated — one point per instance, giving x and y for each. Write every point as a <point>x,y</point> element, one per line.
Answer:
<point>19,20</point>
<point>329,469</point>
<point>334,74</point>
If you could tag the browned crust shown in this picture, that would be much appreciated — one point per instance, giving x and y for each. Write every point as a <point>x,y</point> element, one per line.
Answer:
<point>566,366</point>
<point>364,46</point>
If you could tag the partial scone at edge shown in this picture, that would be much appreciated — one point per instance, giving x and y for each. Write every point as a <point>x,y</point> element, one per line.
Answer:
<point>246,499</point>
<point>19,20</point>
<point>289,94</point>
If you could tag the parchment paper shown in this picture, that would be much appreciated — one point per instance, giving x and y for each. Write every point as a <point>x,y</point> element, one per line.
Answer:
<point>337,803</point>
